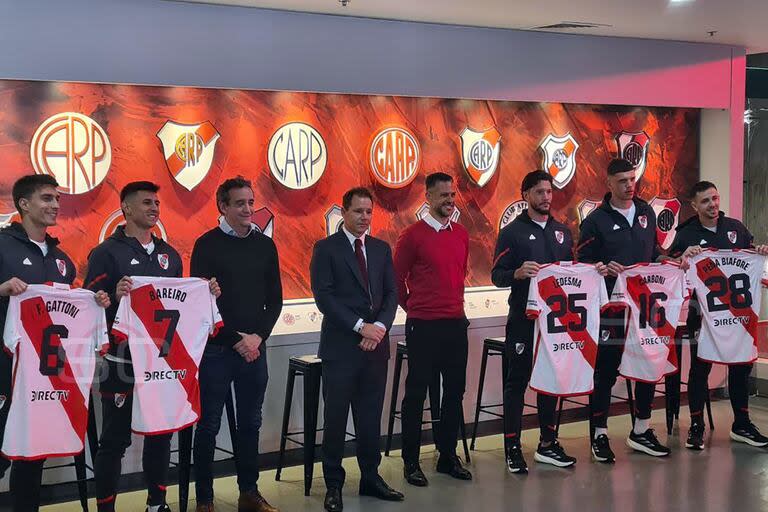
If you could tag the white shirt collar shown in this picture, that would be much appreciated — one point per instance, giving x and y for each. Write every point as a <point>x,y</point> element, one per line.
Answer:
<point>352,237</point>
<point>225,227</point>
<point>435,224</point>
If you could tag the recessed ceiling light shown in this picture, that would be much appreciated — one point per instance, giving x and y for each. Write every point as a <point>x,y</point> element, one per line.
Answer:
<point>681,1</point>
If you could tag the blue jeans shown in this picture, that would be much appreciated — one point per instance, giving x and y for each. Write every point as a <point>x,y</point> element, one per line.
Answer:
<point>219,368</point>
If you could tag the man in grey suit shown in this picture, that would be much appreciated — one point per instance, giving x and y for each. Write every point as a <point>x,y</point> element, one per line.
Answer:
<point>353,282</point>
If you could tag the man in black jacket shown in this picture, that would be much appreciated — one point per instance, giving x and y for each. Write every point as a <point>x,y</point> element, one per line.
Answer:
<point>622,231</point>
<point>531,240</point>
<point>353,281</point>
<point>29,255</point>
<point>131,251</point>
<point>245,264</point>
<point>710,228</point>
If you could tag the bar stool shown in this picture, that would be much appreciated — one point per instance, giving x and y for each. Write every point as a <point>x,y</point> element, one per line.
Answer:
<point>185,451</point>
<point>78,461</point>
<point>434,402</point>
<point>311,369</point>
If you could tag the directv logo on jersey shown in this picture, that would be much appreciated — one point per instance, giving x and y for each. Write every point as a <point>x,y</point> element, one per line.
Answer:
<point>165,375</point>
<point>744,320</point>
<point>297,155</point>
<point>655,340</point>
<point>480,153</point>
<point>570,345</point>
<point>56,395</point>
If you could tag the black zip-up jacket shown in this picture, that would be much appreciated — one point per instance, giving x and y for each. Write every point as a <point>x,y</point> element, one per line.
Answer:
<point>730,234</point>
<point>605,236</point>
<point>523,240</point>
<point>119,256</point>
<point>22,258</point>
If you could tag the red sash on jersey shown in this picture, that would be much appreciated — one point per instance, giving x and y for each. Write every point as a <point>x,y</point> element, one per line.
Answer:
<point>635,288</point>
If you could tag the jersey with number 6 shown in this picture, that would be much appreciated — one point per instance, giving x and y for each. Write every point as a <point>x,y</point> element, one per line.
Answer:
<point>654,294</point>
<point>53,333</point>
<point>566,299</point>
<point>727,285</point>
<point>166,322</point>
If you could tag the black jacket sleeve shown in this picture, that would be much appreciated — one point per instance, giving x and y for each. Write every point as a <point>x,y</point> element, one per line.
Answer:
<point>389,302</point>
<point>201,266</point>
<point>504,260</point>
<point>103,275</point>
<point>273,301</point>
<point>323,289</point>
<point>589,241</point>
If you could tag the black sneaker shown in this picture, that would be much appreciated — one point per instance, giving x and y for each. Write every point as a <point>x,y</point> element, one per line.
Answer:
<point>515,460</point>
<point>601,450</point>
<point>748,434</point>
<point>647,443</point>
<point>553,454</point>
<point>695,439</point>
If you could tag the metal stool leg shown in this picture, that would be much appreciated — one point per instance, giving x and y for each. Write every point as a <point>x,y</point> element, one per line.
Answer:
<point>559,415</point>
<point>483,366</point>
<point>311,404</point>
<point>463,427</point>
<point>631,401</point>
<point>82,485</point>
<point>92,432</point>
<point>185,466</point>
<point>393,402</point>
<point>286,420</point>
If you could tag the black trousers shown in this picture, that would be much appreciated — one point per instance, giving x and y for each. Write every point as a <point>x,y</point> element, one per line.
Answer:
<point>519,347</point>
<point>434,346</point>
<point>698,377</point>
<point>24,485</point>
<point>609,352</point>
<point>115,438</point>
<point>359,383</point>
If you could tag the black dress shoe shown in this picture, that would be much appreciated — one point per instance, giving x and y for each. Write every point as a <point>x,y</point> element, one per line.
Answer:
<point>379,489</point>
<point>451,465</point>
<point>333,501</point>
<point>414,475</point>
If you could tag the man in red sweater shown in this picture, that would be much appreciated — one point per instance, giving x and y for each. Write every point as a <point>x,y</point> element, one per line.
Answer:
<point>430,267</point>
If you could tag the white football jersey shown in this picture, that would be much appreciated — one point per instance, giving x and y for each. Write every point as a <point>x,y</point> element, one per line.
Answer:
<point>728,289</point>
<point>166,322</point>
<point>654,294</point>
<point>566,299</point>
<point>53,333</point>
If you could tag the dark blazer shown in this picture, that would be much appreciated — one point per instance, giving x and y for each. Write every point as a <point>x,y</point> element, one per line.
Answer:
<point>343,298</point>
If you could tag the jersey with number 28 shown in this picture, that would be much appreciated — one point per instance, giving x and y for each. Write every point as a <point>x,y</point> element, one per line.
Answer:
<point>53,333</point>
<point>728,289</point>
<point>166,322</point>
<point>566,299</point>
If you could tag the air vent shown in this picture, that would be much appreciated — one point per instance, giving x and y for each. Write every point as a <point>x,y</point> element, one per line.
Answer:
<point>571,25</point>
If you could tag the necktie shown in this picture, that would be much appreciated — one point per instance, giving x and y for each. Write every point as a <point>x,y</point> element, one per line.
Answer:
<point>361,260</point>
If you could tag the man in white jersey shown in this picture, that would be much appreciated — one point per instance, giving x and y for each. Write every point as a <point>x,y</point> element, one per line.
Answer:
<point>29,255</point>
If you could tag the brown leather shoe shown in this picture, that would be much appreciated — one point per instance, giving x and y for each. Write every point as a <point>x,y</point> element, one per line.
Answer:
<point>253,501</point>
<point>204,507</point>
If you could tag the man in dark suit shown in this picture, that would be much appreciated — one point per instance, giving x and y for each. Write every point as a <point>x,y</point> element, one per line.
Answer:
<point>353,282</point>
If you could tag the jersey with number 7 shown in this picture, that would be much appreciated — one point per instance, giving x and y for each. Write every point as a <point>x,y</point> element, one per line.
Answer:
<point>166,322</point>
<point>727,285</point>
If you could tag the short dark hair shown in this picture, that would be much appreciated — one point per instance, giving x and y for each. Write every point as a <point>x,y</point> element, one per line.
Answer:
<point>222,193</point>
<point>26,186</point>
<point>618,165</point>
<point>701,186</point>
<point>137,186</point>
<point>533,178</point>
<point>346,201</point>
<point>435,178</point>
